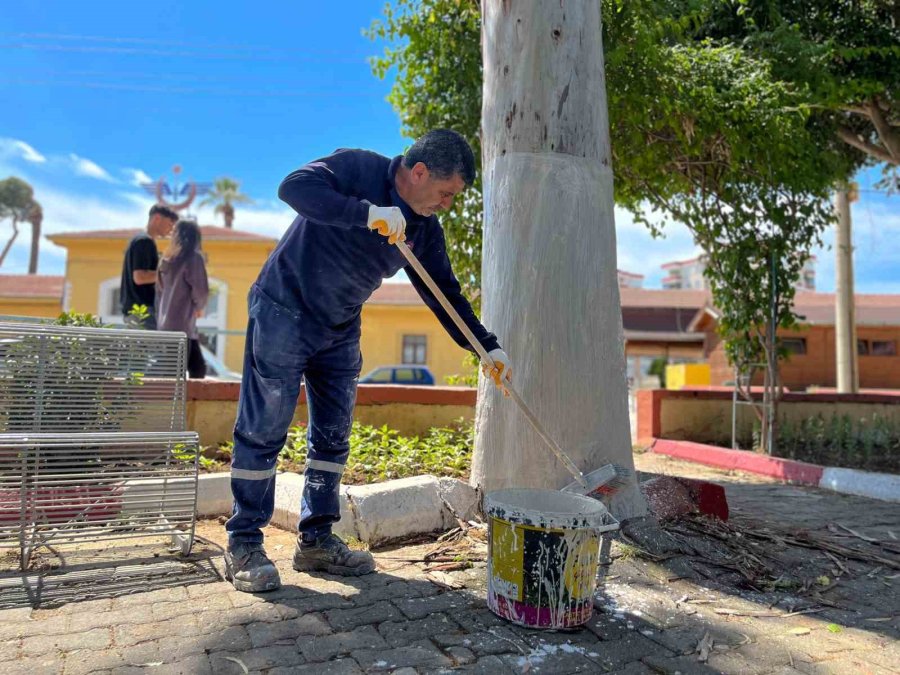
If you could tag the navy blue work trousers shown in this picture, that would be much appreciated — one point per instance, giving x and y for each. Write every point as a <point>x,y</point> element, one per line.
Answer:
<point>284,347</point>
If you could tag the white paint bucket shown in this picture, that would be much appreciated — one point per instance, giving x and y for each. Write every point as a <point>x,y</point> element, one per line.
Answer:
<point>543,551</point>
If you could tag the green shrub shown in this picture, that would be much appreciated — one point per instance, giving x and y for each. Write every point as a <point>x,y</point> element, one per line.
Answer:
<point>381,453</point>
<point>871,443</point>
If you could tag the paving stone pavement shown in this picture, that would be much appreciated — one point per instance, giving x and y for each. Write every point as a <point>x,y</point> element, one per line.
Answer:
<point>398,620</point>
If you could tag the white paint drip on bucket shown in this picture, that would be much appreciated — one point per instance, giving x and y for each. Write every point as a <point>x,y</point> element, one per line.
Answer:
<point>543,552</point>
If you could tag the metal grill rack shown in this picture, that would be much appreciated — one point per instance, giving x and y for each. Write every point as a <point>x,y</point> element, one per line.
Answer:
<point>92,439</point>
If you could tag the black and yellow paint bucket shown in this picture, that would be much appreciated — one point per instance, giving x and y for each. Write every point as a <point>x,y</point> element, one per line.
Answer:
<point>543,552</point>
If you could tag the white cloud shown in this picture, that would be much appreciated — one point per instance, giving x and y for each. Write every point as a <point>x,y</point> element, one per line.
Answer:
<point>137,177</point>
<point>85,167</point>
<point>638,252</point>
<point>16,148</point>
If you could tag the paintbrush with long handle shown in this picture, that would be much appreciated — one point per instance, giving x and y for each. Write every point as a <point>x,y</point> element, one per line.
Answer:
<point>601,482</point>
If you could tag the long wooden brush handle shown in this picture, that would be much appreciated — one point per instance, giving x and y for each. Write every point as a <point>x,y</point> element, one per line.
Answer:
<point>487,360</point>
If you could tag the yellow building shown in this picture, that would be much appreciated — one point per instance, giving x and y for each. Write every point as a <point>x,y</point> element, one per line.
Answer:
<point>31,295</point>
<point>397,327</point>
<point>234,258</point>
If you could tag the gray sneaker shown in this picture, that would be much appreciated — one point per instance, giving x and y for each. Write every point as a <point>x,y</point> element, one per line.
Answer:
<point>330,554</point>
<point>250,570</point>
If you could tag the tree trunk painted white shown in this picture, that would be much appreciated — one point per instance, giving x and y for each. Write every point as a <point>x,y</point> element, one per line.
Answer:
<point>845,315</point>
<point>550,288</point>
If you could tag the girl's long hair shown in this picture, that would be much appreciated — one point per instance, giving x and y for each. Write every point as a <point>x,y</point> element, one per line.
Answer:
<point>186,239</point>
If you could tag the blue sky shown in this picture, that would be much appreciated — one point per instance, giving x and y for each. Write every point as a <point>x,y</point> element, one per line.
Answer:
<point>99,96</point>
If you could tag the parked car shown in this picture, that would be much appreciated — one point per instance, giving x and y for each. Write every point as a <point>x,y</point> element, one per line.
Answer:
<point>399,375</point>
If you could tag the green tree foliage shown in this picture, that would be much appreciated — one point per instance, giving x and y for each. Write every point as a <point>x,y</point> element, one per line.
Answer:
<point>841,56</point>
<point>435,47</point>
<point>733,117</point>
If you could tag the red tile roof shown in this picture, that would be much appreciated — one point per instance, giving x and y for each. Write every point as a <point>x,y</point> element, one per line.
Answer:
<point>650,297</point>
<point>871,309</point>
<point>31,286</point>
<point>209,232</point>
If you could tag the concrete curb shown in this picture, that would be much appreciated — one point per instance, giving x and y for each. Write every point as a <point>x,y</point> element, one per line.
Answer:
<point>375,514</point>
<point>882,486</point>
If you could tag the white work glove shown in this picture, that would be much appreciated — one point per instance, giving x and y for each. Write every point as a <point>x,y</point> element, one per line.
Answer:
<point>502,371</point>
<point>388,221</point>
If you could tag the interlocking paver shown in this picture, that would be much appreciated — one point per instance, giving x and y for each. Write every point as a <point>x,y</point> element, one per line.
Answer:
<point>421,653</point>
<point>255,659</point>
<point>345,619</point>
<point>42,665</point>
<point>484,642</point>
<point>85,621</point>
<point>491,665</point>
<point>328,646</point>
<point>257,612</point>
<point>99,638</point>
<point>233,638</point>
<point>451,601</point>
<point>399,633</point>
<point>193,665</point>
<point>135,633</point>
<point>264,634</point>
<point>52,625</point>
<point>397,589</point>
<point>291,608</point>
<point>345,666</point>
<point>460,656</point>
<point>398,620</point>
<point>682,665</point>
<point>633,669</point>
<point>549,663</point>
<point>84,661</point>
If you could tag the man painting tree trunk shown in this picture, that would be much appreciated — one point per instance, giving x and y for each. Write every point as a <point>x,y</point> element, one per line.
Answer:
<point>549,270</point>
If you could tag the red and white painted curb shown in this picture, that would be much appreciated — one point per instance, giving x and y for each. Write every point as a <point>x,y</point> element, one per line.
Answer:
<point>884,486</point>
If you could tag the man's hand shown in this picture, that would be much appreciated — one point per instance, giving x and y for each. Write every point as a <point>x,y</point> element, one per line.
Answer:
<point>388,221</point>
<point>501,372</point>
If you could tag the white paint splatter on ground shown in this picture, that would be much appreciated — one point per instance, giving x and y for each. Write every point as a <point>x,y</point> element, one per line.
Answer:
<point>538,654</point>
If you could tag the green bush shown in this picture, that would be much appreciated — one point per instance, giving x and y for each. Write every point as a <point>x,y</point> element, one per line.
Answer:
<point>871,443</point>
<point>381,453</point>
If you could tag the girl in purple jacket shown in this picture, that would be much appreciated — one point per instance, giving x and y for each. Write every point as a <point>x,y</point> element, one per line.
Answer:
<point>182,290</point>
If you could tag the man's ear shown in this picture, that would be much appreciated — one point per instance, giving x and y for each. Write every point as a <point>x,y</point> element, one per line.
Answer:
<point>419,172</point>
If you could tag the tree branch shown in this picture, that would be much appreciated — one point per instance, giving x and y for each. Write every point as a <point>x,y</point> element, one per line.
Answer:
<point>879,153</point>
<point>12,240</point>
<point>888,134</point>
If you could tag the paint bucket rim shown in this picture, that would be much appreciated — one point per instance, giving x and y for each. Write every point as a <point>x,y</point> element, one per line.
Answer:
<point>544,508</point>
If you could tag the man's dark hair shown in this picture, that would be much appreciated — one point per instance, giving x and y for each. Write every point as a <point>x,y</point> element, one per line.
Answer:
<point>164,211</point>
<point>445,153</point>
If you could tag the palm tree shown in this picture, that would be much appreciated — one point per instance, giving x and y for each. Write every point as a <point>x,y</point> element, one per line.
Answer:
<point>225,194</point>
<point>35,217</point>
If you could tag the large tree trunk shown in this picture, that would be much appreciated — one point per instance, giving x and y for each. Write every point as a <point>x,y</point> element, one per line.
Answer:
<point>228,213</point>
<point>35,246</point>
<point>847,363</point>
<point>549,271</point>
